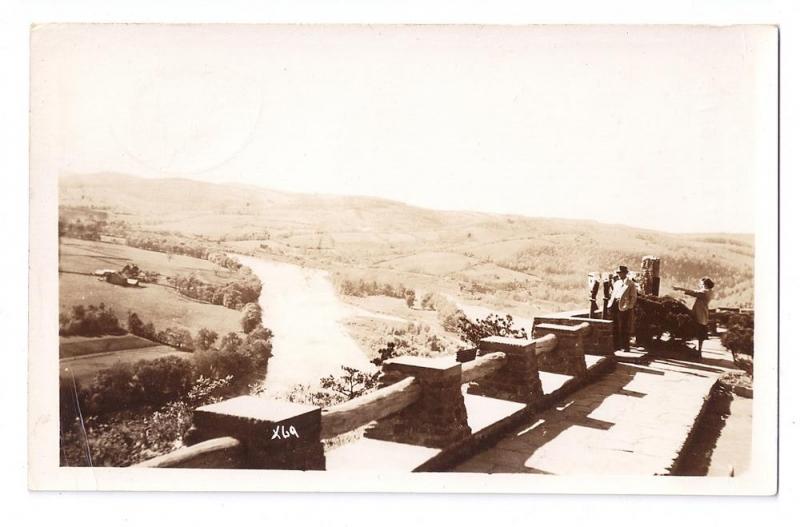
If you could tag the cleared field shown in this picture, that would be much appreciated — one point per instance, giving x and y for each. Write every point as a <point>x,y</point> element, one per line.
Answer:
<point>84,368</point>
<point>160,305</point>
<point>435,263</point>
<point>377,320</point>
<point>77,346</point>
<point>85,256</point>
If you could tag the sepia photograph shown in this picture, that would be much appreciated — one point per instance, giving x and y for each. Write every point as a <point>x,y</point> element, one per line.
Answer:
<point>403,257</point>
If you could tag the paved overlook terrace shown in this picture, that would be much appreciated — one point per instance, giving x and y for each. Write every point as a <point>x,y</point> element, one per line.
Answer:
<point>562,402</point>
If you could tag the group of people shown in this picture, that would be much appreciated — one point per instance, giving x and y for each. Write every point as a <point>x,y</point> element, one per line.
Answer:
<point>623,300</point>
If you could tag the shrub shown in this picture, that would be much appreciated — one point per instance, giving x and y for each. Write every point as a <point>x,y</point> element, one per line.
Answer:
<point>205,339</point>
<point>163,379</point>
<point>233,295</point>
<point>655,316</point>
<point>135,324</point>
<point>126,438</point>
<point>492,325</point>
<point>258,352</point>
<point>427,302</point>
<point>92,321</point>
<point>217,364</point>
<point>385,354</point>
<point>351,384</point>
<point>70,398</point>
<point>113,388</point>
<point>251,317</point>
<point>177,338</point>
<point>230,342</point>
<point>259,333</point>
<point>410,297</point>
<point>739,337</point>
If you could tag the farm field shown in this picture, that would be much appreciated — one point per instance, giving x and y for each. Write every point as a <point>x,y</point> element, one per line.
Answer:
<point>77,346</point>
<point>155,303</point>
<point>504,262</point>
<point>377,320</point>
<point>83,368</point>
<point>84,256</point>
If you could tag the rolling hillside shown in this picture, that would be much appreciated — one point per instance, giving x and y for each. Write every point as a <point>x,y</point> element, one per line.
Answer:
<point>504,261</point>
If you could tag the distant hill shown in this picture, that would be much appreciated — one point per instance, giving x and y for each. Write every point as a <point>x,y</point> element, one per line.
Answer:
<point>516,260</point>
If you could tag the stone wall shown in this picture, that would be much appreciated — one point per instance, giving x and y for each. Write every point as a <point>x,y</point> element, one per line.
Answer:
<point>598,341</point>
<point>569,356</point>
<point>518,379</point>
<point>439,417</point>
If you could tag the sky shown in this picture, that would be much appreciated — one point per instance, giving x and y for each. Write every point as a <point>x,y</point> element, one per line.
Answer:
<point>655,127</point>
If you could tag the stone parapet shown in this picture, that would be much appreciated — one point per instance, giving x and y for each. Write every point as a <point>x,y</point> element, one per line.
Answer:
<point>518,379</point>
<point>569,356</point>
<point>274,434</point>
<point>438,418</point>
<point>598,341</point>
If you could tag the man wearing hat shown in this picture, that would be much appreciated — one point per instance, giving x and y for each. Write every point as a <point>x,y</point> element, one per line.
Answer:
<point>621,304</point>
<point>702,297</point>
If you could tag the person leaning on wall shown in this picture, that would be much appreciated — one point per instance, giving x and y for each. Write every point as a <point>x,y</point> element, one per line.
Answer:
<point>702,298</point>
<point>621,304</point>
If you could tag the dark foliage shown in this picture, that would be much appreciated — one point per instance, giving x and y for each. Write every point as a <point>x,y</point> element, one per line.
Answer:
<point>492,325</point>
<point>659,316</point>
<point>91,321</point>
<point>163,379</point>
<point>374,288</point>
<point>739,337</point>
<point>205,339</point>
<point>233,295</point>
<point>351,384</point>
<point>251,317</point>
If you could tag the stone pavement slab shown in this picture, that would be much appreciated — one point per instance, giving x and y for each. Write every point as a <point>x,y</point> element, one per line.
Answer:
<point>633,421</point>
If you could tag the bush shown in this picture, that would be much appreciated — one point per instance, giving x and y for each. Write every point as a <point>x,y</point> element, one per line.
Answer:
<point>233,295</point>
<point>205,339</point>
<point>427,302</point>
<point>217,364</point>
<point>259,333</point>
<point>70,398</point>
<point>363,288</point>
<point>251,317</point>
<point>353,383</point>
<point>410,297</point>
<point>177,338</point>
<point>163,379</point>
<point>92,321</point>
<point>135,324</point>
<point>112,389</point>
<point>656,316</point>
<point>492,325</point>
<point>739,337</point>
<point>126,438</point>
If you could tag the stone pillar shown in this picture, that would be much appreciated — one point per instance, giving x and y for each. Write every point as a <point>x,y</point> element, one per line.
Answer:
<point>439,417</point>
<point>598,340</point>
<point>594,287</point>
<point>651,275</point>
<point>518,379</point>
<point>275,434</point>
<point>568,358</point>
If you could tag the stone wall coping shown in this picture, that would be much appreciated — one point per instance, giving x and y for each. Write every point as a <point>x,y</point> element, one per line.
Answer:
<point>509,341</point>
<point>599,321</point>
<point>257,408</point>
<point>580,328</point>
<point>575,313</point>
<point>429,363</point>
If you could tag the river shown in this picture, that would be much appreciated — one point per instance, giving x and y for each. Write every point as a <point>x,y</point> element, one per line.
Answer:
<point>304,312</point>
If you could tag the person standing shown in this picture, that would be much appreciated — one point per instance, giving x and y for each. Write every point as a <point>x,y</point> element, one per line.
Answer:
<point>702,298</point>
<point>621,304</point>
